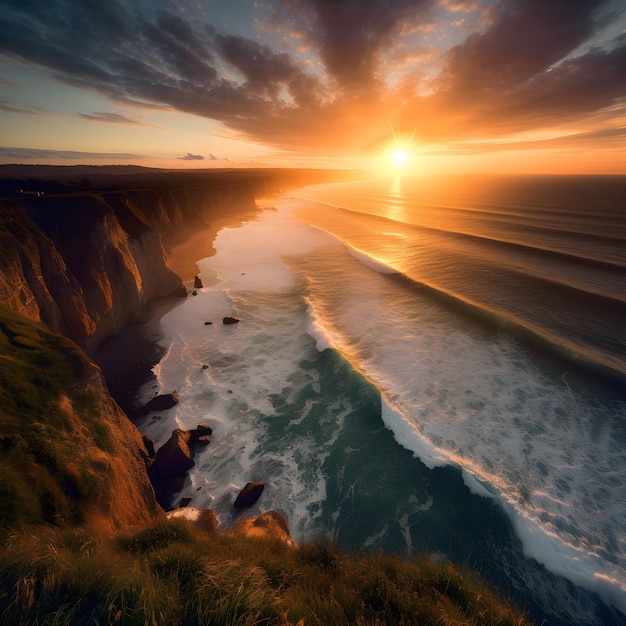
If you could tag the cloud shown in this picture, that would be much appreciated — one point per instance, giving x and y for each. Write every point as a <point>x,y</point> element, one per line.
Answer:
<point>111,118</point>
<point>8,105</point>
<point>611,137</point>
<point>456,6</point>
<point>69,155</point>
<point>9,82</point>
<point>526,38</point>
<point>329,90</point>
<point>522,73</point>
<point>352,34</point>
<point>192,157</point>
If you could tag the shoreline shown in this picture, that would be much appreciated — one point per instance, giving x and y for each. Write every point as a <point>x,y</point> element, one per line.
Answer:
<point>183,258</point>
<point>127,359</point>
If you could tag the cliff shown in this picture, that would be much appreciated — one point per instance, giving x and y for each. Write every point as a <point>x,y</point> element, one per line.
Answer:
<point>85,255</point>
<point>87,264</point>
<point>65,446</point>
<point>84,264</point>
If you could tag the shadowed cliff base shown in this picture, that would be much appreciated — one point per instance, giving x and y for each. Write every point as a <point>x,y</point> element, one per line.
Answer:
<point>127,359</point>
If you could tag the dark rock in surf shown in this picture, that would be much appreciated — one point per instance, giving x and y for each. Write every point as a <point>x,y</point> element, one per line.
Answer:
<point>230,320</point>
<point>197,282</point>
<point>158,403</point>
<point>201,435</point>
<point>208,323</point>
<point>184,501</point>
<point>174,459</point>
<point>249,495</point>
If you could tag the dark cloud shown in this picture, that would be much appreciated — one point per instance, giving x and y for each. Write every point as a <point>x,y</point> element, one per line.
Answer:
<point>518,71</point>
<point>526,38</point>
<point>111,118</point>
<point>184,52</point>
<point>266,72</point>
<point>66,155</point>
<point>352,34</point>
<point>520,74</point>
<point>192,157</point>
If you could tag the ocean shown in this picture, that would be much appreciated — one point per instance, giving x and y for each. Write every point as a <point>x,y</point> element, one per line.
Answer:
<point>420,366</point>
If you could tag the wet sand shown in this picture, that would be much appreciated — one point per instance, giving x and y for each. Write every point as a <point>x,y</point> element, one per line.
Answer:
<point>183,258</point>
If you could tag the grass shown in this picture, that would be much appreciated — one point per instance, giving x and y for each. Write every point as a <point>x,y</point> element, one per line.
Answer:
<point>169,573</point>
<point>44,435</point>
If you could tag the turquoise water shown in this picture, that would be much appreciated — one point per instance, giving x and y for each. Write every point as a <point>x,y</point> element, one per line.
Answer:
<point>418,370</point>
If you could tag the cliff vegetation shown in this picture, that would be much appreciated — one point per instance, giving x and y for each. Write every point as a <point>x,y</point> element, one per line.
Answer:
<point>65,446</point>
<point>169,573</point>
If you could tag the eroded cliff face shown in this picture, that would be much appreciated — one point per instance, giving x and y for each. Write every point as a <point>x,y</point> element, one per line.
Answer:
<point>68,454</point>
<point>87,264</point>
<point>114,460</point>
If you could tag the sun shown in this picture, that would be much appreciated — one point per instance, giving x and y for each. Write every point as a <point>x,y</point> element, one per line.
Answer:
<point>399,157</point>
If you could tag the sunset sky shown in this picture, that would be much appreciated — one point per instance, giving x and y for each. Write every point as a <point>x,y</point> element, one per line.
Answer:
<point>465,85</point>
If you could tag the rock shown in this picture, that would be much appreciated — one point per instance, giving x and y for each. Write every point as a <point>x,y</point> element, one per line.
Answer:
<point>205,367</point>
<point>149,445</point>
<point>174,457</point>
<point>147,452</point>
<point>208,323</point>
<point>165,490</point>
<point>269,525</point>
<point>158,403</point>
<point>201,434</point>
<point>230,320</point>
<point>194,293</point>
<point>249,495</point>
<point>197,282</point>
<point>184,501</point>
<point>179,292</point>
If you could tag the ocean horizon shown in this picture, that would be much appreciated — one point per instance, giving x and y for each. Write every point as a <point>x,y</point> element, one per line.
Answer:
<point>422,367</point>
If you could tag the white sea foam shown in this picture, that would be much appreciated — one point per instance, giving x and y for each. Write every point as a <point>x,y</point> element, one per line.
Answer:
<point>323,337</point>
<point>582,567</point>
<point>408,436</point>
<point>371,262</point>
<point>547,455</point>
<point>228,374</point>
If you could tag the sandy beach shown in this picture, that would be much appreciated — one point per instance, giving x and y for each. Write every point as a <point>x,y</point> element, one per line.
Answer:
<point>183,258</point>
